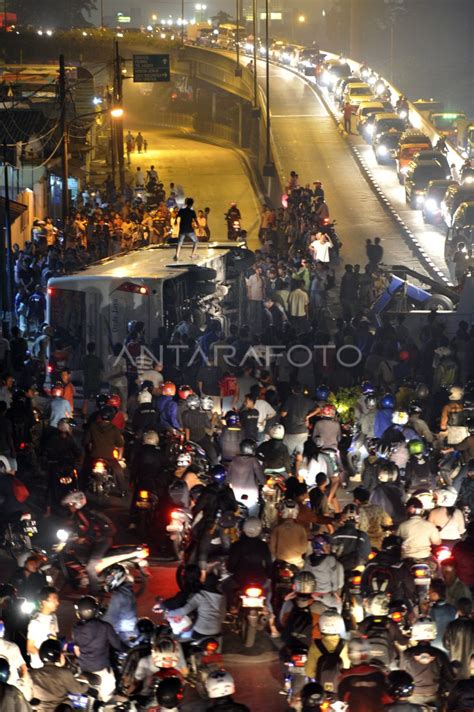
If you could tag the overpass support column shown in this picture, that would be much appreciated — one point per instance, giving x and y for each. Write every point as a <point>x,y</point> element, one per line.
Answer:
<point>213,105</point>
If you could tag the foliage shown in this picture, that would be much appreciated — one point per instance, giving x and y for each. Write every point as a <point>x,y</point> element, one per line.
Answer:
<point>345,402</point>
<point>52,13</point>
<point>221,18</point>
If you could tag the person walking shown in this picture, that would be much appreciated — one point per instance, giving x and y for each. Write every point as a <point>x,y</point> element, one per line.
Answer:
<point>347,115</point>
<point>130,145</point>
<point>320,247</point>
<point>298,303</point>
<point>255,293</point>
<point>139,142</point>
<point>187,222</point>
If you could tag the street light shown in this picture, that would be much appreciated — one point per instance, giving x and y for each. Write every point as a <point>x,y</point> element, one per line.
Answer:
<point>301,19</point>
<point>268,168</point>
<point>116,112</point>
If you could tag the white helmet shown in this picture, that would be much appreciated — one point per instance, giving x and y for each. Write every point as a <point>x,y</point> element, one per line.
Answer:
<point>144,397</point>
<point>387,472</point>
<point>378,605</point>
<point>151,438</point>
<point>78,500</point>
<point>207,403</point>
<point>331,622</point>
<point>446,497</point>
<point>220,683</point>
<point>252,527</point>
<point>184,459</point>
<point>426,498</point>
<point>289,509</point>
<point>399,417</point>
<point>456,393</point>
<point>424,629</point>
<point>358,650</point>
<point>4,463</point>
<point>277,432</point>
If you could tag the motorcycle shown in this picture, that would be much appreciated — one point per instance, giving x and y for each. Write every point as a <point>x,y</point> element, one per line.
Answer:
<point>272,493</point>
<point>295,677</point>
<point>102,481</point>
<point>73,570</point>
<point>179,530</point>
<point>17,537</point>
<point>422,578</point>
<point>146,505</point>
<point>234,228</point>
<point>282,581</point>
<point>203,657</point>
<point>251,614</point>
<point>65,480</point>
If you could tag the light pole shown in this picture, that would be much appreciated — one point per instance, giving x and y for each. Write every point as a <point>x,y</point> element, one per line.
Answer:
<point>255,83</point>
<point>238,68</point>
<point>268,168</point>
<point>182,22</point>
<point>101,14</point>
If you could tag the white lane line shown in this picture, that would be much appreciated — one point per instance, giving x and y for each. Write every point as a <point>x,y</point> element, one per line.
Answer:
<point>291,116</point>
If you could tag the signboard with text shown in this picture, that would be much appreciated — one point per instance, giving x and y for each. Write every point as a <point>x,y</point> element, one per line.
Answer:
<point>151,68</point>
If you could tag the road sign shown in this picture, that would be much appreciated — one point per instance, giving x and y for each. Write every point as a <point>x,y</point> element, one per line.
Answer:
<point>151,68</point>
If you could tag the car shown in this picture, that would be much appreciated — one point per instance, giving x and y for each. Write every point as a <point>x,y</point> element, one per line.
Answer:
<point>387,120</point>
<point>417,177</point>
<point>333,70</point>
<point>385,145</point>
<point>411,142</point>
<point>454,196</point>
<point>462,228</point>
<point>434,194</point>
<point>366,109</point>
<point>356,93</point>
<point>433,155</point>
<point>341,84</point>
<point>446,124</point>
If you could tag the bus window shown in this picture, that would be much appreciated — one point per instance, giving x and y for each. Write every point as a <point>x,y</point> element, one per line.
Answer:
<point>68,318</point>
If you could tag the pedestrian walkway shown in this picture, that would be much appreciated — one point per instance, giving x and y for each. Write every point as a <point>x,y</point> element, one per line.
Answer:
<point>214,176</point>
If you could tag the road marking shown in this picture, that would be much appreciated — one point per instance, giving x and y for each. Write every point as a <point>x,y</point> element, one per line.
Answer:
<point>291,116</point>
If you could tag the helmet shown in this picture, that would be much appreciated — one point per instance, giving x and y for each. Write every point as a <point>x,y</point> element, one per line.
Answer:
<point>207,403</point>
<point>4,670</point>
<point>114,400</point>
<point>184,392</point>
<point>414,507</point>
<point>424,628</point>
<point>196,491</point>
<point>416,447</point>
<point>168,388</point>
<point>165,652</point>
<point>392,541</point>
<point>115,576</point>
<point>57,391</point>
<point>399,417</point>
<point>304,582</point>
<point>87,608</point>
<point>252,527</point>
<point>456,393</point>
<point>277,432</point>
<point>319,544</point>
<point>248,447</point>
<point>64,426</point>
<point>371,402</point>
<point>50,651</point>
<point>169,693</point>
<point>328,411</point>
<point>146,628</point>
<point>144,397</point>
<point>4,464</point>
<point>232,419</point>
<point>107,412</point>
<point>378,605</point>
<point>322,393</point>
<point>151,437</point>
<point>422,391</point>
<point>219,684</point>
<point>331,622</point>
<point>387,401</point>
<point>367,388</point>
<point>288,509</point>
<point>358,650</point>
<point>351,512</point>
<point>193,401</point>
<point>387,472</point>
<point>78,500</point>
<point>414,407</point>
<point>400,684</point>
<point>218,473</point>
<point>446,497</point>
<point>312,695</point>
<point>184,459</point>
<point>101,399</point>
<point>426,498</point>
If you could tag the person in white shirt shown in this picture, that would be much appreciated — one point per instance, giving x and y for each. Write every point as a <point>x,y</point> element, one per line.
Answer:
<point>19,676</point>
<point>43,624</point>
<point>418,535</point>
<point>320,247</point>
<point>265,413</point>
<point>153,375</point>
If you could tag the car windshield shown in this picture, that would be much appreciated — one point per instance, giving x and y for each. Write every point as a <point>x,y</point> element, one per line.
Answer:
<point>360,91</point>
<point>341,70</point>
<point>425,173</point>
<point>437,192</point>
<point>385,124</point>
<point>390,140</point>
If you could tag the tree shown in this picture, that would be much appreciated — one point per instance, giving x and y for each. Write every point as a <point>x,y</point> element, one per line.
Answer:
<point>52,13</point>
<point>221,18</point>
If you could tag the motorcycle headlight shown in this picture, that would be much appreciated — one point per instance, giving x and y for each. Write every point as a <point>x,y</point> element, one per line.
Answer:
<point>27,607</point>
<point>382,150</point>
<point>62,535</point>
<point>431,205</point>
<point>369,129</point>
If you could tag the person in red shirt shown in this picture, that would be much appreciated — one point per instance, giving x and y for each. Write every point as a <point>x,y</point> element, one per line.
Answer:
<point>68,387</point>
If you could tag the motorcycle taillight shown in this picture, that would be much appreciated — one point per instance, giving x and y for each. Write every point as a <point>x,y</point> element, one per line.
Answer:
<point>253,592</point>
<point>396,616</point>
<point>299,660</point>
<point>286,573</point>
<point>143,494</point>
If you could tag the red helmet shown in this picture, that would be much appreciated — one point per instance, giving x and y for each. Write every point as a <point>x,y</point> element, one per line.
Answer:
<point>328,411</point>
<point>184,392</point>
<point>404,355</point>
<point>169,389</point>
<point>57,391</point>
<point>114,400</point>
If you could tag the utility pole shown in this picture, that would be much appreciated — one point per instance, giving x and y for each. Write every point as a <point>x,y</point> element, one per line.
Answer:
<point>268,167</point>
<point>101,14</point>
<point>6,261</point>
<point>354,30</point>
<point>65,140</point>
<point>118,101</point>
<point>238,69</point>
<point>182,23</point>
<point>254,30</point>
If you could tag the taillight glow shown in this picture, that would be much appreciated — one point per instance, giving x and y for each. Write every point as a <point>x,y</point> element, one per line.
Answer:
<point>299,660</point>
<point>372,555</point>
<point>116,453</point>
<point>421,573</point>
<point>356,580</point>
<point>144,553</point>
<point>397,617</point>
<point>50,291</point>
<point>212,646</point>
<point>99,466</point>
<point>175,514</point>
<point>443,554</point>
<point>253,592</point>
<point>143,494</point>
<point>132,288</point>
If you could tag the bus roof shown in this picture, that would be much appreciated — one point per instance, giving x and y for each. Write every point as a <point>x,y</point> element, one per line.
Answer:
<point>152,262</point>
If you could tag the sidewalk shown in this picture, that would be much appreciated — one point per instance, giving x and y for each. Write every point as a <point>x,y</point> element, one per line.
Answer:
<point>212,175</point>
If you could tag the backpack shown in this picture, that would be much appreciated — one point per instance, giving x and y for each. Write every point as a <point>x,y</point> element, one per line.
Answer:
<point>379,643</point>
<point>447,372</point>
<point>456,418</point>
<point>329,665</point>
<point>381,579</point>
<point>299,624</point>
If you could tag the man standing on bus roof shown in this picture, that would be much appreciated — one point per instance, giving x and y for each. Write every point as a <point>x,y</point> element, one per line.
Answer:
<point>187,221</point>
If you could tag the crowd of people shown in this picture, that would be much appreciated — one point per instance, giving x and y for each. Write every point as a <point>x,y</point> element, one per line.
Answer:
<point>353,476</point>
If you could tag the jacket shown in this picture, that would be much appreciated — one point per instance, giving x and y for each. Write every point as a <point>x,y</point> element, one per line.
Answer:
<point>327,571</point>
<point>102,438</point>
<point>52,684</point>
<point>383,420</point>
<point>13,700</point>
<point>330,642</point>
<point>210,608</point>
<point>289,542</point>
<point>390,498</point>
<point>351,545</point>
<point>418,536</point>
<point>330,433</point>
<point>122,613</point>
<point>372,520</point>
<point>275,455</point>
<point>430,669</point>
<point>459,642</point>
<point>245,474</point>
<point>168,411</point>
<point>249,560</point>
<point>363,688</point>
<point>229,442</point>
<point>95,638</point>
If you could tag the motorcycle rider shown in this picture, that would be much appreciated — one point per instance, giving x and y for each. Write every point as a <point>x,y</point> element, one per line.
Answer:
<point>362,685</point>
<point>249,557</point>
<point>429,666</point>
<point>10,508</point>
<point>43,624</point>
<point>288,540</point>
<point>383,417</point>
<point>167,407</point>
<point>209,605</point>
<point>294,413</point>
<point>233,214</point>
<point>146,416</point>
<point>415,420</point>
<point>220,687</point>
<point>230,437</point>
<point>59,407</point>
<point>418,470</point>
<point>53,682</point>
<point>381,632</point>
<point>449,520</point>
<point>30,580</point>
<point>331,642</point>
<point>245,476</point>
<point>400,686</point>
<point>350,545</point>
<point>327,571</point>
<point>93,641</point>
<point>122,609</point>
<point>450,427</point>
<point>459,638</point>
<point>465,499</point>
<point>387,493</point>
<point>327,429</point>
<point>417,534</point>
<point>367,418</point>
<point>274,453</point>
<point>19,676</point>
<point>169,693</point>
<point>373,519</point>
<point>299,614</point>
<point>198,427</point>
<point>94,528</point>
<point>11,699</point>
<point>62,453</point>
<point>387,572</point>
<point>101,439</point>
